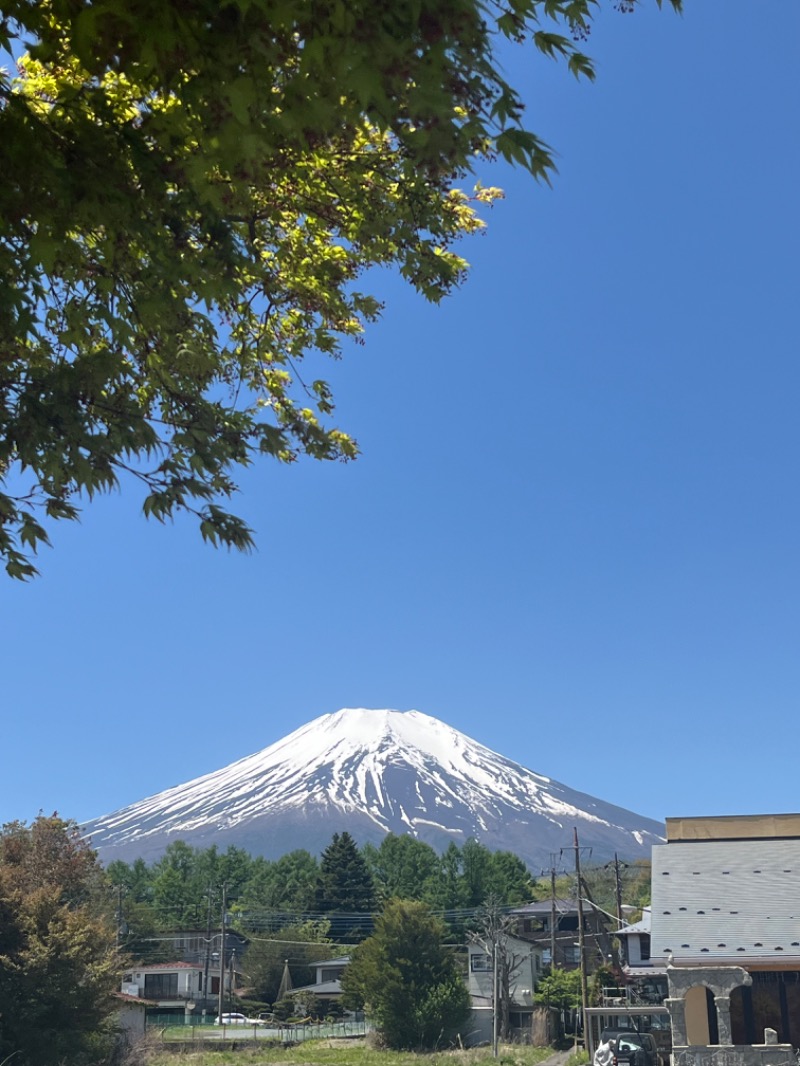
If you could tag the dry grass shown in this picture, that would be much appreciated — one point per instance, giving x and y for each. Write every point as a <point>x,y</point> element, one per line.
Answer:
<point>332,1053</point>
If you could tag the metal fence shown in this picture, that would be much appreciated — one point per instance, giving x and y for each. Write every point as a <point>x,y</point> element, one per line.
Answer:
<point>173,1027</point>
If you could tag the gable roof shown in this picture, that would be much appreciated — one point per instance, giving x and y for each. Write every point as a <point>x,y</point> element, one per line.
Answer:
<point>731,900</point>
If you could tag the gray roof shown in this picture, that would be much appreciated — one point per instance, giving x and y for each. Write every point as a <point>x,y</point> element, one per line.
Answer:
<point>732,900</point>
<point>322,988</point>
<point>642,926</point>
<point>545,906</point>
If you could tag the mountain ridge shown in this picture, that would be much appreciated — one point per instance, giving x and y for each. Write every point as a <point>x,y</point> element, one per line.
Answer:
<point>372,772</point>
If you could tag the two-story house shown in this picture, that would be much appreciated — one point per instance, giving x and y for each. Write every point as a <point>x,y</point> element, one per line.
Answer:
<point>179,987</point>
<point>553,925</point>
<point>522,967</point>
<point>726,924</point>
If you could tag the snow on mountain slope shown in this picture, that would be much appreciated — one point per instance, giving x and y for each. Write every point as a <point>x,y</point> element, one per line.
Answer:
<point>372,772</point>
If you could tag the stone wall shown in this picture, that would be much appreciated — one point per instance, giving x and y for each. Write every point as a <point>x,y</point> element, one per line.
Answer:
<point>735,1055</point>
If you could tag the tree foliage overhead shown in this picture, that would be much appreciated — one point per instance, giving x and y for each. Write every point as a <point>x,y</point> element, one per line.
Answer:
<point>193,191</point>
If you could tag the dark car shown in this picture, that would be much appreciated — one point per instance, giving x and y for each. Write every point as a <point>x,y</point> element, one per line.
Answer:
<point>638,1049</point>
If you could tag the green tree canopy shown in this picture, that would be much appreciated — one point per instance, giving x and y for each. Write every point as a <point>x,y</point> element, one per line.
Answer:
<point>287,884</point>
<point>58,960</point>
<point>560,989</point>
<point>344,884</point>
<point>193,192</point>
<point>402,866</point>
<point>407,979</point>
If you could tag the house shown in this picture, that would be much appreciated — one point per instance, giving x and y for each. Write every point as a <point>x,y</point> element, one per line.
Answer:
<point>193,945</point>
<point>328,983</point>
<point>645,978</point>
<point>636,1001</point>
<point>726,924</point>
<point>521,968</point>
<point>177,987</point>
<point>552,924</point>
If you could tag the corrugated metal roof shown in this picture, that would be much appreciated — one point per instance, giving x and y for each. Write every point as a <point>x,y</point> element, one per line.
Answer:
<point>732,901</point>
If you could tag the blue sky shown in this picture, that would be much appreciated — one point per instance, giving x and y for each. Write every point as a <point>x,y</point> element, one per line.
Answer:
<point>573,531</point>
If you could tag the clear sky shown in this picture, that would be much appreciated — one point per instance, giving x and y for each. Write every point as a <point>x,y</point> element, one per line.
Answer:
<point>573,532</point>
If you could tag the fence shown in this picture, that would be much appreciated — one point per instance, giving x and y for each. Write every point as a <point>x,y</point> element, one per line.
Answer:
<point>175,1028</point>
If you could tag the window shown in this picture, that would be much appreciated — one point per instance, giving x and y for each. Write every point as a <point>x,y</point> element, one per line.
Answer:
<point>644,947</point>
<point>160,985</point>
<point>480,963</point>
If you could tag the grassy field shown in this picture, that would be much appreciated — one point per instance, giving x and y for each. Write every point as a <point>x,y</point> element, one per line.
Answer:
<point>339,1053</point>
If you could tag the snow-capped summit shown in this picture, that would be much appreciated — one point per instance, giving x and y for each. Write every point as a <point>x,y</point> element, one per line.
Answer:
<point>372,772</point>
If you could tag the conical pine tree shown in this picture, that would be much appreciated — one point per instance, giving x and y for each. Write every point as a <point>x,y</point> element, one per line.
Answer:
<point>344,884</point>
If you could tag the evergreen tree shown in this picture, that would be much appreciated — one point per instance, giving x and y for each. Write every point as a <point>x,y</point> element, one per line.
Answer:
<point>448,889</point>
<point>509,878</point>
<point>344,884</point>
<point>403,866</point>
<point>407,979</point>
<point>174,893</point>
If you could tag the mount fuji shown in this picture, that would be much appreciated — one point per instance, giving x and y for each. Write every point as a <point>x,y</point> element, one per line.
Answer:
<point>373,772</point>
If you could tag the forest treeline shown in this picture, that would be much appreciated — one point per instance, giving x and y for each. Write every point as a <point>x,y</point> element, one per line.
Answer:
<point>304,908</point>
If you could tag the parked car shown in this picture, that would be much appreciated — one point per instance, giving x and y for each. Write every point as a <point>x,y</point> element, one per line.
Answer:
<point>232,1019</point>
<point>636,1049</point>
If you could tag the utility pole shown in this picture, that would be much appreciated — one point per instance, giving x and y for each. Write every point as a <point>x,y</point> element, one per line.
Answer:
<point>221,1010</point>
<point>618,890</point>
<point>552,919</point>
<point>119,914</point>
<point>208,952</point>
<point>495,1011</point>
<point>581,947</point>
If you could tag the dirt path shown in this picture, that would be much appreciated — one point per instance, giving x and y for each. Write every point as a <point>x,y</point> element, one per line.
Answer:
<point>558,1058</point>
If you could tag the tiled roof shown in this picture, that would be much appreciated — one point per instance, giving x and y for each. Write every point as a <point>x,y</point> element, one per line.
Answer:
<point>732,901</point>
